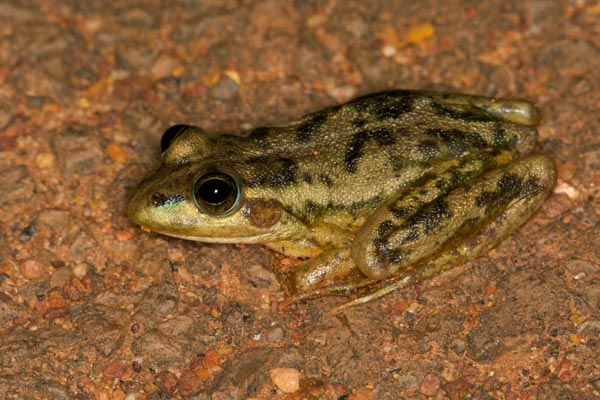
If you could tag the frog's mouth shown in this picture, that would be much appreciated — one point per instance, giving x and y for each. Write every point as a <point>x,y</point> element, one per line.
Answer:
<point>208,239</point>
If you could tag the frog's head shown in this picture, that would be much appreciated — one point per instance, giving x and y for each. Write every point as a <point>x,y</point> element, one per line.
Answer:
<point>197,195</point>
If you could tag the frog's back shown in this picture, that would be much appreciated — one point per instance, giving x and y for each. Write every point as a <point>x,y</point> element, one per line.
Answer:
<point>356,154</point>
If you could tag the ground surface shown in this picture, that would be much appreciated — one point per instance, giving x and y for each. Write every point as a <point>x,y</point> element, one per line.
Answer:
<point>91,307</point>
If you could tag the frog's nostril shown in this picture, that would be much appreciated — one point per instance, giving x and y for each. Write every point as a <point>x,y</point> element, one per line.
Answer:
<point>157,199</point>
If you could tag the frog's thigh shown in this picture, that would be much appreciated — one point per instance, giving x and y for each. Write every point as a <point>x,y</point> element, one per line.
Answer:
<point>462,224</point>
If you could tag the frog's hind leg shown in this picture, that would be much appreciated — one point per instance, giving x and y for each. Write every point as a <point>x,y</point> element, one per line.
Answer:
<point>452,228</point>
<point>507,209</point>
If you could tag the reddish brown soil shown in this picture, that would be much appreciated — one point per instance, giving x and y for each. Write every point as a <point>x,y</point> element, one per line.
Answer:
<point>91,307</point>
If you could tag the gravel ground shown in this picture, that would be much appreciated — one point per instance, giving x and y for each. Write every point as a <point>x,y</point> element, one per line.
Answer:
<point>91,307</point>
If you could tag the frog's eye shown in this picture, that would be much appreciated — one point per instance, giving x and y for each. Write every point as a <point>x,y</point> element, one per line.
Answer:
<point>216,193</point>
<point>170,135</point>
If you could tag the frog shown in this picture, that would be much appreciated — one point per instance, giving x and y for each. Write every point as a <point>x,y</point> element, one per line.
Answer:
<point>381,192</point>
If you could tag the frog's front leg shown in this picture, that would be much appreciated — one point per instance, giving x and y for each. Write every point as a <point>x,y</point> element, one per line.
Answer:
<point>416,240</point>
<point>328,247</point>
<point>320,272</point>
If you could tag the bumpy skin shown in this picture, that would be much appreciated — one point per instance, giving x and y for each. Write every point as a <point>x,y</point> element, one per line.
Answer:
<point>398,184</point>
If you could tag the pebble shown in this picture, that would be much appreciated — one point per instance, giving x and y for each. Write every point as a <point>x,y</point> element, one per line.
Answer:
<point>165,67</point>
<point>363,393</point>
<point>286,379</point>
<point>224,89</point>
<point>275,334</point>
<point>450,372</point>
<point>113,370</point>
<point>458,346</point>
<point>80,270</point>
<point>60,277</point>
<point>116,153</point>
<point>167,381</point>
<point>45,160</point>
<point>430,385</point>
<point>32,269</point>
<point>188,383</point>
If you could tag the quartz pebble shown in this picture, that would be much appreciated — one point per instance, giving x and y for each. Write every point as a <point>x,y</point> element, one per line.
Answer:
<point>80,270</point>
<point>286,379</point>
<point>32,269</point>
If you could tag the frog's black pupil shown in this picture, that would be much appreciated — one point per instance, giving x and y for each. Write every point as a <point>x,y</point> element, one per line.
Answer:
<point>214,191</point>
<point>169,135</point>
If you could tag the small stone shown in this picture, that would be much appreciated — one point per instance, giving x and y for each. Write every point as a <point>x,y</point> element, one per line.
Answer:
<point>45,160</point>
<point>211,359</point>
<point>286,379</point>
<point>458,346</point>
<point>363,393</point>
<point>113,370</point>
<point>116,153</point>
<point>430,385</point>
<point>224,89</point>
<point>167,382</point>
<point>166,66</point>
<point>80,270</point>
<point>388,50</point>
<point>342,93</point>
<point>55,299</point>
<point>275,335</point>
<point>60,277</point>
<point>450,372</point>
<point>457,389</point>
<point>203,374</point>
<point>150,388</point>
<point>32,269</point>
<point>189,383</point>
<point>78,150</point>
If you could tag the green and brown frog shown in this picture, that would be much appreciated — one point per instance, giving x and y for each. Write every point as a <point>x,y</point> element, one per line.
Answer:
<point>378,193</point>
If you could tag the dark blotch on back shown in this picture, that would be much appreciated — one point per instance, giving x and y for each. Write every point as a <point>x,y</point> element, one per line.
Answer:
<point>311,210</point>
<point>307,129</point>
<point>259,135</point>
<point>359,123</point>
<point>428,148</point>
<point>325,180</point>
<point>354,149</point>
<point>359,207</point>
<point>270,172</point>
<point>398,162</point>
<point>306,177</point>
<point>393,107</point>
